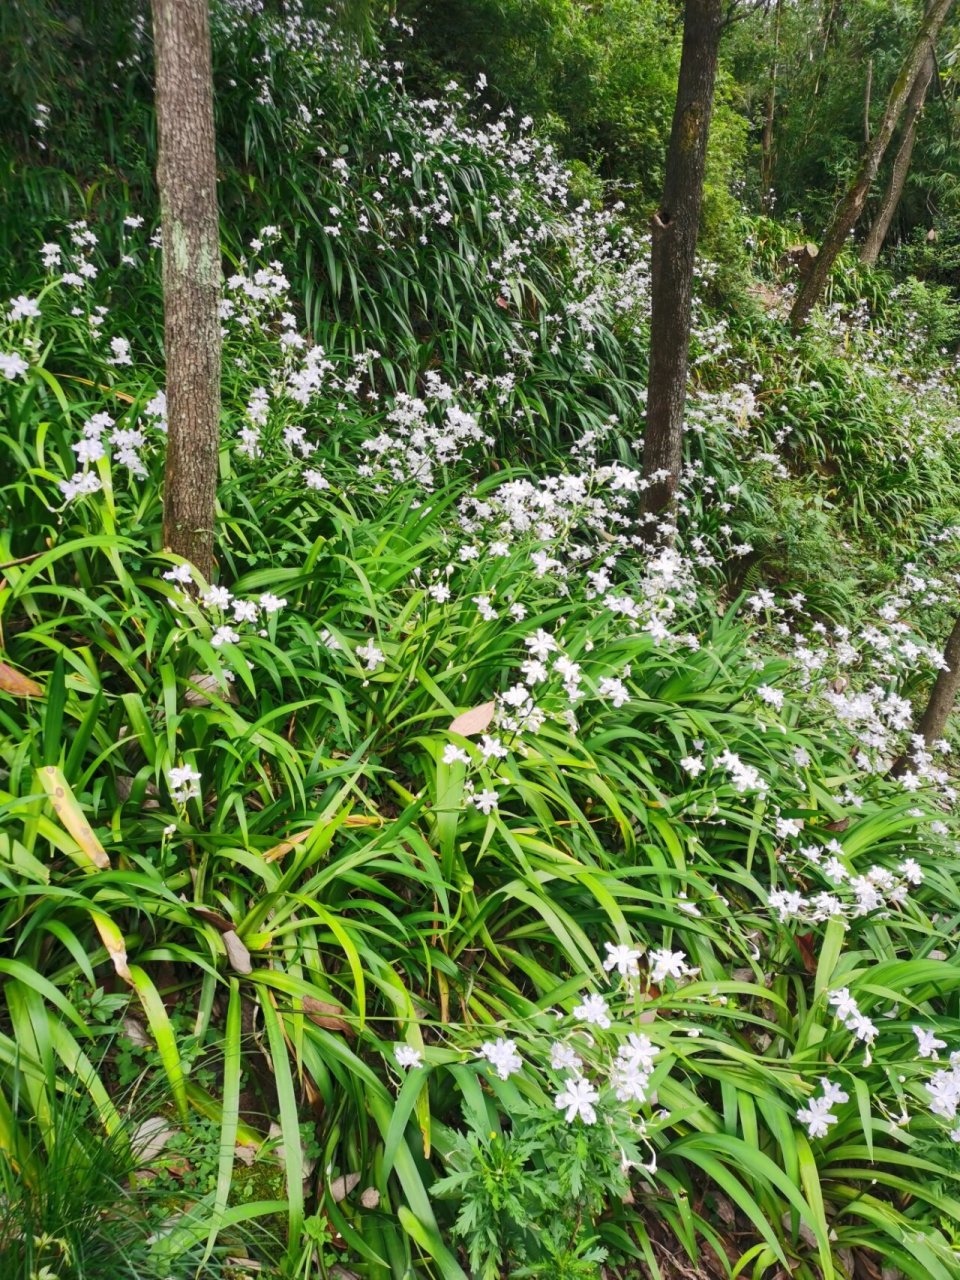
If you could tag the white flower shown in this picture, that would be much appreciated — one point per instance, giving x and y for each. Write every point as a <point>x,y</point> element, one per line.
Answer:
<point>184,783</point>
<point>862,1028</point>
<point>12,365</point>
<point>372,656</point>
<point>623,959</point>
<point>563,1058</point>
<point>502,1056</point>
<point>181,573</point>
<point>844,1003</point>
<point>224,635</point>
<point>453,754</point>
<point>615,690</point>
<point>517,695</point>
<point>540,644</point>
<point>24,308</point>
<point>534,671</point>
<point>244,611</point>
<point>593,1011</point>
<point>485,801</point>
<point>270,603</point>
<point>832,1093</point>
<point>492,748</point>
<point>88,449</point>
<point>944,1090</point>
<point>216,597</point>
<point>121,351</point>
<point>668,964</point>
<point>927,1043</point>
<point>407,1056</point>
<point>80,485</point>
<point>817,1117</point>
<point>693,765</point>
<point>639,1050</point>
<point>629,1081</point>
<point>578,1097</point>
<point>772,697</point>
<point>788,827</point>
<point>834,870</point>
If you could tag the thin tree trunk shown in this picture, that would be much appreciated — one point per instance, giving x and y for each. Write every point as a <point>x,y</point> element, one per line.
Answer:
<point>674,227</point>
<point>187,181</point>
<point>901,165</point>
<point>868,92</point>
<point>943,698</point>
<point>825,25</point>
<point>851,206</point>
<point>766,142</point>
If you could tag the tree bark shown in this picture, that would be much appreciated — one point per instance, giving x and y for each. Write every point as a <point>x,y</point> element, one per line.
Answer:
<point>866,102</point>
<point>851,206</point>
<point>187,182</point>
<point>825,28</point>
<point>766,141</point>
<point>901,165</point>
<point>943,698</point>
<point>674,227</point>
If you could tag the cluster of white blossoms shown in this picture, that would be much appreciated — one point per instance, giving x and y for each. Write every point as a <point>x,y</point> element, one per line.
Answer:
<point>942,1086</point>
<point>103,437</point>
<point>598,1062</point>
<point>851,894</point>
<point>421,435</point>
<point>943,1091</point>
<point>184,783</point>
<point>818,1115</point>
<point>226,614</point>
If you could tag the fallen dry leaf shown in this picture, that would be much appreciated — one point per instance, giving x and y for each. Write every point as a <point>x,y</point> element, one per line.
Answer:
<point>204,686</point>
<point>326,1015</point>
<point>213,917</point>
<point>476,720</point>
<point>341,1187</point>
<point>136,1033</point>
<point>151,1136</point>
<point>18,685</point>
<point>237,953</point>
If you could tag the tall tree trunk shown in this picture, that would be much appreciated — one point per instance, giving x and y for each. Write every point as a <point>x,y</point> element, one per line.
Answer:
<point>674,227</point>
<point>867,95</point>
<point>766,142</point>
<point>187,181</point>
<point>943,698</point>
<point>825,28</point>
<point>901,165</point>
<point>851,205</point>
